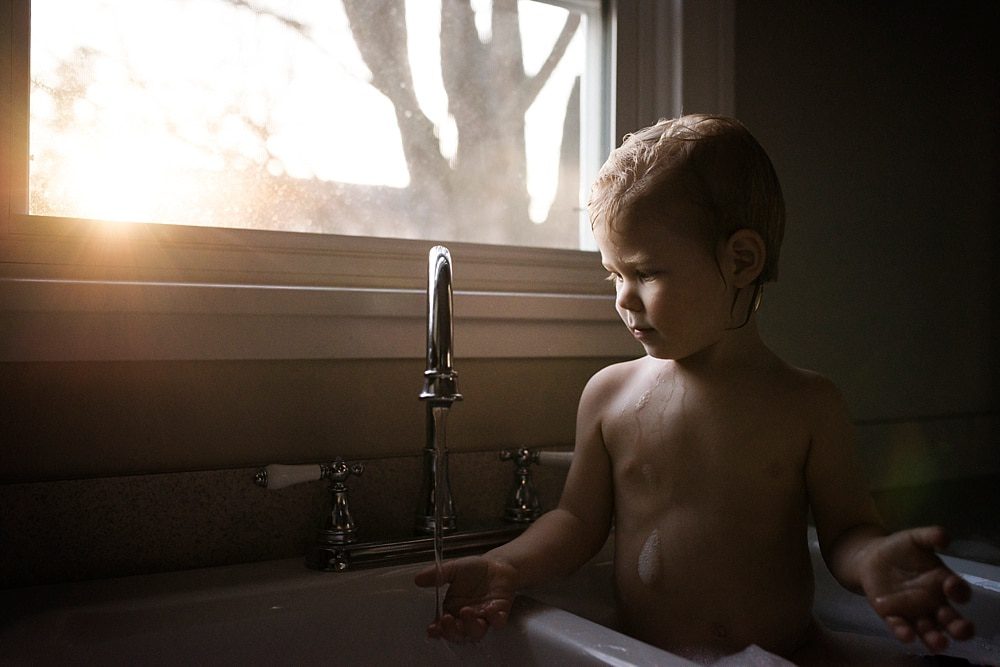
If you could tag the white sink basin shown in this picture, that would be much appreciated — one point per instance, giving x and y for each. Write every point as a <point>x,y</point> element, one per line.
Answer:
<point>279,612</point>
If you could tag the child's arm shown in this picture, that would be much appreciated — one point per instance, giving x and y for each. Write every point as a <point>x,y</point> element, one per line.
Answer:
<point>904,580</point>
<point>481,589</point>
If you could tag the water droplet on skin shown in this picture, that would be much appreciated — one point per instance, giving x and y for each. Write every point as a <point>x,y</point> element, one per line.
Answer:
<point>649,559</point>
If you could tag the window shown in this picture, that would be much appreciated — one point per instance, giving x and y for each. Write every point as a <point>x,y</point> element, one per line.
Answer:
<point>72,287</point>
<point>399,118</point>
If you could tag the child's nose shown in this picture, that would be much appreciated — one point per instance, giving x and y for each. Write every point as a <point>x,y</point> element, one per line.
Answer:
<point>627,298</point>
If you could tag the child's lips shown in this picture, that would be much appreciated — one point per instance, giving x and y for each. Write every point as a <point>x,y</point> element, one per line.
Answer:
<point>641,332</point>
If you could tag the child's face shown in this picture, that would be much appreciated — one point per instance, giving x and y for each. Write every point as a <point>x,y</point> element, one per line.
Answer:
<point>669,289</point>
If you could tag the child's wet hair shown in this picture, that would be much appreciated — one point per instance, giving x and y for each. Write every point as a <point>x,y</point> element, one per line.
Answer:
<point>714,161</point>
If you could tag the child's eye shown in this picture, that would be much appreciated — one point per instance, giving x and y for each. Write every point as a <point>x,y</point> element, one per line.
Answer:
<point>613,278</point>
<point>645,276</point>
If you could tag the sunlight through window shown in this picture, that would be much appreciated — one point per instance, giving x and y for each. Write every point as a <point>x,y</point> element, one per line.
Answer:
<point>445,119</point>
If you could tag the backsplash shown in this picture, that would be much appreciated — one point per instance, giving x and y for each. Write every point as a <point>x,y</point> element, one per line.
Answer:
<point>116,526</point>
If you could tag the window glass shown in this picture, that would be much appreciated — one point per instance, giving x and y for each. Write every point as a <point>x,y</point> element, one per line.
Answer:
<point>449,119</point>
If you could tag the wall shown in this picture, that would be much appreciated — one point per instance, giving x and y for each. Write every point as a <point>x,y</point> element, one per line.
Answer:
<point>125,467</point>
<point>65,420</point>
<point>882,120</point>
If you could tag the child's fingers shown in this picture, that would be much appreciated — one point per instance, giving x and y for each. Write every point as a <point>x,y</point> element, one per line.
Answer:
<point>934,633</point>
<point>497,618</point>
<point>957,589</point>
<point>931,635</point>
<point>436,629</point>
<point>450,628</point>
<point>933,538</point>
<point>473,626</point>
<point>908,603</point>
<point>922,595</point>
<point>900,629</point>
<point>946,615</point>
<point>468,625</point>
<point>961,629</point>
<point>426,577</point>
<point>954,624</point>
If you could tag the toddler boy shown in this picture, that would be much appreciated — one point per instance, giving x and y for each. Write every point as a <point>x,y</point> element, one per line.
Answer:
<point>708,453</point>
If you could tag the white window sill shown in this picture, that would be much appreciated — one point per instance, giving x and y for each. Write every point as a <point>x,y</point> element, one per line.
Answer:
<point>84,291</point>
<point>65,320</point>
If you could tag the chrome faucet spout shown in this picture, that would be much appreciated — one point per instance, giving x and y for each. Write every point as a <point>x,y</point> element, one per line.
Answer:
<point>440,391</point>
<point>440,378</point>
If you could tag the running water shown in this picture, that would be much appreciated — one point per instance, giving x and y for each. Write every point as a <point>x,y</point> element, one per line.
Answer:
<point>439,413</point>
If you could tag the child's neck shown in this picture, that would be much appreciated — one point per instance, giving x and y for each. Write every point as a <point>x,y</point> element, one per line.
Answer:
<point>740,348</point>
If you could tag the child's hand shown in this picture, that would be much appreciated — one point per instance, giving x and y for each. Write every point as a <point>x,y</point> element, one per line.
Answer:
<point>480,594</point>
<point>912,590</point>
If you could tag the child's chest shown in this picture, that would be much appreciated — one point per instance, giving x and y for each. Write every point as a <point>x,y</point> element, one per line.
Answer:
<point>678,442</point>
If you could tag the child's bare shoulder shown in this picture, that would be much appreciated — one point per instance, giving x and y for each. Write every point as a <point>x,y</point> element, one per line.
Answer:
<point>613,380</point>
<point>619,375</point>
<point>814,393</point>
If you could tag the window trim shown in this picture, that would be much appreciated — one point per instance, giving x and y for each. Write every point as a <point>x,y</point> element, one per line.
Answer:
<point>78,249</point>
<point>72,289</point>
<point>79,320</point>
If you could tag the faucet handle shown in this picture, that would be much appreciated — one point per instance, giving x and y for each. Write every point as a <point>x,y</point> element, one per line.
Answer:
<point>279,475</point>
<point>339,527</point>
<point>338,471</point>
<point>522,457</point>
<point>558,459</point>
<point>522,502</point>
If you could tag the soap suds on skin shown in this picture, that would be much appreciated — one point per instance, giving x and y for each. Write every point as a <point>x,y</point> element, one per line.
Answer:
<point>649,559</point>
<point>643,400</point>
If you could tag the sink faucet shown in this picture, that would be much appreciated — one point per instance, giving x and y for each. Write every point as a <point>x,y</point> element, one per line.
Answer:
<point>439,392</point>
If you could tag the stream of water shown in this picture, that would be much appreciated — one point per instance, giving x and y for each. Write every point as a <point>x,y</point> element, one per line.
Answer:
<point>440,498</point>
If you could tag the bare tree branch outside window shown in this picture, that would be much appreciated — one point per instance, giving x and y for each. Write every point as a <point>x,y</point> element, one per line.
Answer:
<point>306,116</point>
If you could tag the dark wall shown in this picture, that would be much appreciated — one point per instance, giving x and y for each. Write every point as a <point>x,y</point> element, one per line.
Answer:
<point>882,120</point>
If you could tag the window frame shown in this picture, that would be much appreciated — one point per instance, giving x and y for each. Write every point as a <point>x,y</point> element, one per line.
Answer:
<point>74,289</point>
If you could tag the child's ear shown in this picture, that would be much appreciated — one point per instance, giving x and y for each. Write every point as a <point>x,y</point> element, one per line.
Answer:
<point>744,254</point>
